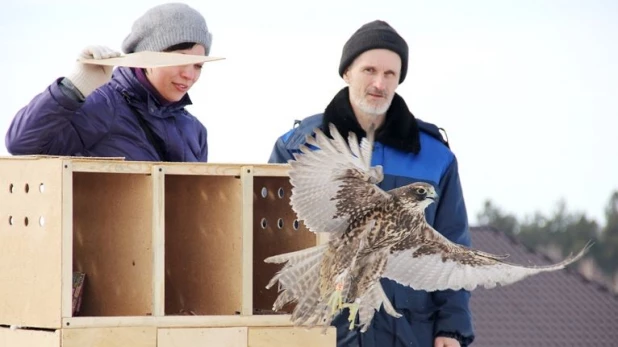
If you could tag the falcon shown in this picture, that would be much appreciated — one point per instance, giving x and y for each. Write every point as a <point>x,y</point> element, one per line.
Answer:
<point>372,234</point>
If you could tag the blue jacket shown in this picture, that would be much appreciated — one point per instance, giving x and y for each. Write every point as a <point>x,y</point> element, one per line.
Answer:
<point>425,314</point>
<point>105,124</point>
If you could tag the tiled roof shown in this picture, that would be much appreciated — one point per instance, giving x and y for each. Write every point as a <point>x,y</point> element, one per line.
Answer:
<point>550,309</point>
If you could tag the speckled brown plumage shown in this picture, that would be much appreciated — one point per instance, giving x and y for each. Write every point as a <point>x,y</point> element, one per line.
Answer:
<point>373,234</point>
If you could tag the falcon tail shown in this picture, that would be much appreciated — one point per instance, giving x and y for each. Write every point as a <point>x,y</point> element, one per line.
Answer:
<point>299,282</point>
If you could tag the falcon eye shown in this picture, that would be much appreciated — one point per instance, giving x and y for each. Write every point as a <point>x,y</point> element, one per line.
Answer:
<point>421,191</point>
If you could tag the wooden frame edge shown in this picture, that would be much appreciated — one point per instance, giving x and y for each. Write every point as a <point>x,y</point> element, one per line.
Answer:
<point>246,177</point>
<point>158,241</point>
<point>66,286</point>
<point>275,320</point>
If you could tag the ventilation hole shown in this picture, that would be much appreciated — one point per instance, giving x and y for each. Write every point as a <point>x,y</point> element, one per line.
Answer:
<point>42,221</point>
<point>11,188</point>
<point>263,223</point>
<point>10,220</point>
<point>27,188</point>
<point>26,221</point>
<point>280,223</point>
<point>264,192</point>
<point>295,224</point>
<point>42,187</point>
<point>280,192</point>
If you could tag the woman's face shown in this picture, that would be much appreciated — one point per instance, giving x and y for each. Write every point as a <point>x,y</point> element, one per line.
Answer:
<point>174,82</point>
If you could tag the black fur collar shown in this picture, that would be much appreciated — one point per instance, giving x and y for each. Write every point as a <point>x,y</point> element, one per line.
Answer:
<point>400,129</point>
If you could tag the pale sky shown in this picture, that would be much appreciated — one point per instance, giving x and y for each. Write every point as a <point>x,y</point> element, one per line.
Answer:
<point>526,90</point>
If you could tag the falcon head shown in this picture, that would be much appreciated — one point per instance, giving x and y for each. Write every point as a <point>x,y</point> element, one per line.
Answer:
<point>417,195</point>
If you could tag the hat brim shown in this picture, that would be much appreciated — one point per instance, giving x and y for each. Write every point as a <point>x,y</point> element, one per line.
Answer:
<point>148,59</point>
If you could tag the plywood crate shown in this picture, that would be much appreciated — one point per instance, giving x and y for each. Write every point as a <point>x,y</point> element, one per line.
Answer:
<point>172,252</point>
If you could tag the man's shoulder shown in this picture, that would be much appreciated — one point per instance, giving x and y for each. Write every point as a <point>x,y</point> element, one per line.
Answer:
<point>302,128</point>
<point>435,146</point>
<point>435,133</point>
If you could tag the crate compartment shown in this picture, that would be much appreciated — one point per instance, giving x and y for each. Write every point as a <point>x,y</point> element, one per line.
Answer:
<point>203,244</point>
<point>275,230</point>
<point>112,242</point>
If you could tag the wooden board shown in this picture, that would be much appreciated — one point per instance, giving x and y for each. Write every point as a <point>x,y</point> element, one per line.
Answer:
<point>158,241</point>
<point>199,337</point>
<point>22,337</point>
<point>203,244</point>
<point>148,59</point>
<point>285,337</point>
<point>111,166</point>
<point>246,181</point>
<point>110,337</point>
<point>170,337</point>
<point>112,242</point>
<point>30,235</point>
<point>186,321</point>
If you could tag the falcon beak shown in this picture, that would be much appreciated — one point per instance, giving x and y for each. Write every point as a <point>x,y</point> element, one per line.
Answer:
<point>432,195</point>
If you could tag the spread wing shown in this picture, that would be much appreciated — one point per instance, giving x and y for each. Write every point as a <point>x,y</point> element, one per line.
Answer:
<point>334,181</point>
<point>431,262</point>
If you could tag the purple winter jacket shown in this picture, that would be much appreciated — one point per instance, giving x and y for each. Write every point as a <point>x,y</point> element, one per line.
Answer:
<point>104,125</point>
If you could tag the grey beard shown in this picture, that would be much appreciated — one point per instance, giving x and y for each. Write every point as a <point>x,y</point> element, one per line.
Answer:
<point>373,111</point>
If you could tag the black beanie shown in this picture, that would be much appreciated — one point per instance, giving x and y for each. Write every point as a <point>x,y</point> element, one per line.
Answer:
<point>376,34</point>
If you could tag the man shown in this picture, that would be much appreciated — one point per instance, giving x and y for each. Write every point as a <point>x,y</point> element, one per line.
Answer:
<point>374,62</point>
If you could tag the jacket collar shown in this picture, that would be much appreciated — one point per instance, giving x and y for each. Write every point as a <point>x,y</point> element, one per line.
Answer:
<point>399,130</point>
<point>139,94</point>
<point>140,74</point>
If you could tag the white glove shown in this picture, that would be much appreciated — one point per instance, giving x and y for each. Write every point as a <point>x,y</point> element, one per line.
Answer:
<point>88,77</point>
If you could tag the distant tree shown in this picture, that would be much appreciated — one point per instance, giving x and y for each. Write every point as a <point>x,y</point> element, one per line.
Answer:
<point>493,216</point>
<point>569,231</point>
<point>608,255</point>
<point>578,233</point>
<point>535,231</point>
<point>564,230</point>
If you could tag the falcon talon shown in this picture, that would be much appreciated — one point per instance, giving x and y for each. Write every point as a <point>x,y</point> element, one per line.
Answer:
<point>353,311</point>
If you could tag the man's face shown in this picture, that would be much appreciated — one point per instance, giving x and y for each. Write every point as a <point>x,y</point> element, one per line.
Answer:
<point>373,78</point>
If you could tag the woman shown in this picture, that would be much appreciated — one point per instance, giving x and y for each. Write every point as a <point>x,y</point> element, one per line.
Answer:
<point>133,113</point>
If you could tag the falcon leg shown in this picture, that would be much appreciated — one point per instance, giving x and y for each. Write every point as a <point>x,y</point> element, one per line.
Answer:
<point>335,301</point>
<point>353,307</point>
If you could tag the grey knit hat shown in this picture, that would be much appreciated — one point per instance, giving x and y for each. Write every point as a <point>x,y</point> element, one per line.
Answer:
<point>167,25</point>
<point>376,34</point>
